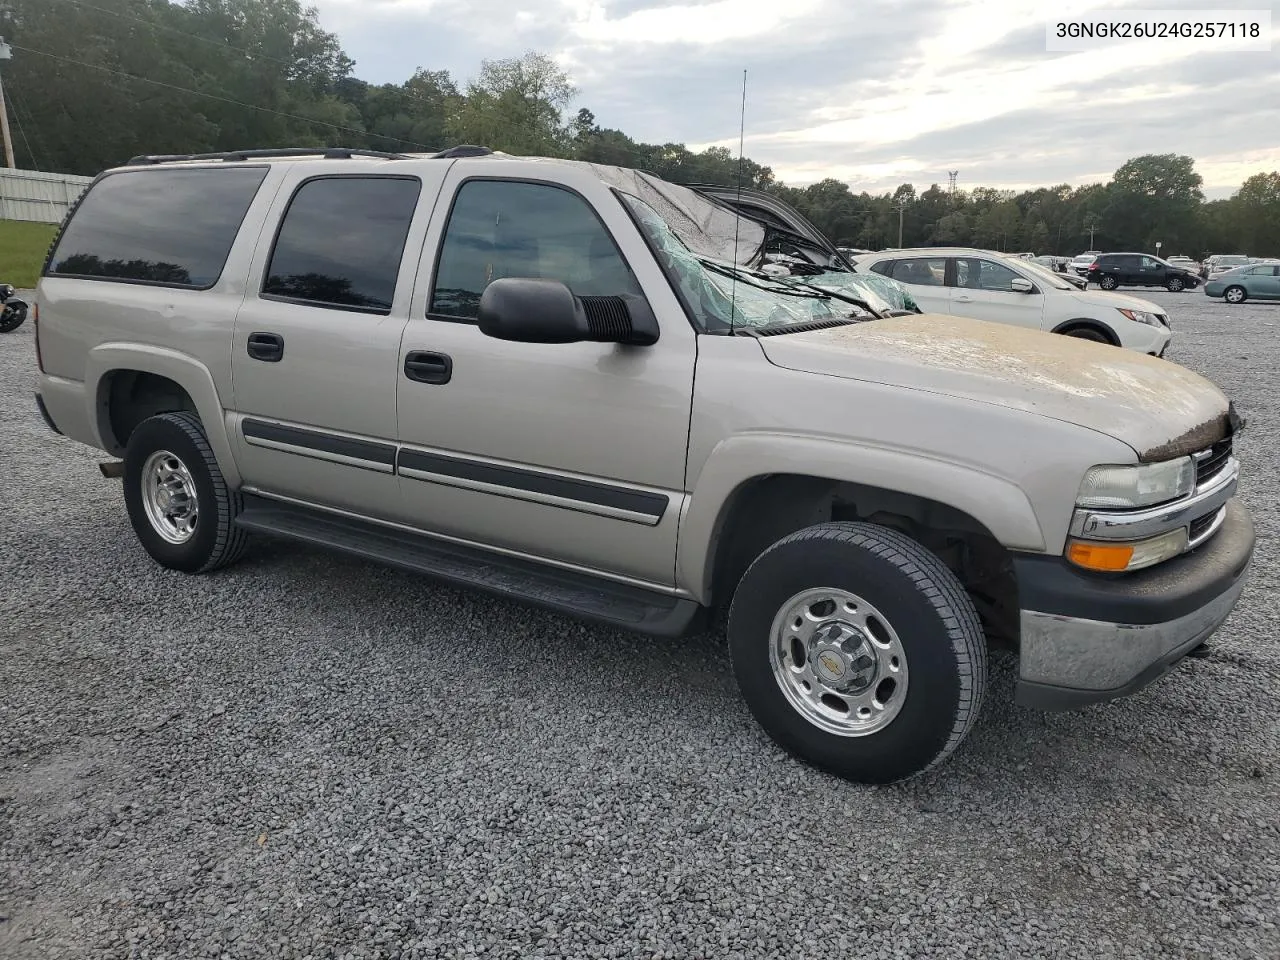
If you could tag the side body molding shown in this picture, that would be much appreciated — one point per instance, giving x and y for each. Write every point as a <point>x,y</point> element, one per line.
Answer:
<point>184,370</point>
<point>1000,505</point>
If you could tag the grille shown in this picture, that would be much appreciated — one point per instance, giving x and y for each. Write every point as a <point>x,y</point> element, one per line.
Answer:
<point>1199,526</point>
<point>1213,461</point>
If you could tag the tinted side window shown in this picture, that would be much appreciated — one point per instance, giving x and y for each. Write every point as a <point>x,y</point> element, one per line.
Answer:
<point>1149,264</point>
<point>510,229</point>
<point>171,227</point>
<point>977,274</point>
<point>341,242</point>
<point>884,268</point>
<point>922,272</point>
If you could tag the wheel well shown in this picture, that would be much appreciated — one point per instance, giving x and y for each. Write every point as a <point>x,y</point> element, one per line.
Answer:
<point>1087,324</point>
<point>127,397</point>
<point>766,509</point>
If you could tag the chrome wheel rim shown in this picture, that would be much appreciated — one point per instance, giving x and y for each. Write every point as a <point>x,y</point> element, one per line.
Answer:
<point>169,497</point>
<point>838,661</point>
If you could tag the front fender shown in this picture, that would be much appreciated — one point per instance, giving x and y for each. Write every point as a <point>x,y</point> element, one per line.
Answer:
<point>1001,506</point>
<point>184,370</point>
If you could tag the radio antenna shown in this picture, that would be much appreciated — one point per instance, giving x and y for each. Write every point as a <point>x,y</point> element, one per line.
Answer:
<point>737,208</point>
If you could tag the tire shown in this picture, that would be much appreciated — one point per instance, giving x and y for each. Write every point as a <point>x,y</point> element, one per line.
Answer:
<point>1174,285</point>
<point>1108,283</point>
<point>1235,294</point>
<point>911,609</point>
<point>176,443</point>
<point>14,313</point>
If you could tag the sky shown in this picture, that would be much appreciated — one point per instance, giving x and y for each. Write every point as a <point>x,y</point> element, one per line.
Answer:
<point>871,93</point>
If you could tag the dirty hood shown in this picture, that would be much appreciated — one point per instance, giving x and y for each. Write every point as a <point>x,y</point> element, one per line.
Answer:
<point>1160,409</point>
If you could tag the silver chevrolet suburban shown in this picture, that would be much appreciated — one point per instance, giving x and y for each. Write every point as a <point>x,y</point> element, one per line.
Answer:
<point>570,385</point>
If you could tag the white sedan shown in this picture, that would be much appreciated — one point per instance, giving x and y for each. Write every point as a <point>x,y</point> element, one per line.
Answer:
<point>993,286</point>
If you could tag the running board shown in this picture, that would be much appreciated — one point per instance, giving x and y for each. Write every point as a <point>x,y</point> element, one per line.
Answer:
<point>564,591</point>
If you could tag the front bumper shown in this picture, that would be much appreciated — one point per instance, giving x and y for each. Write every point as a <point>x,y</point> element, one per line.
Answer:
<point>1091,638</point>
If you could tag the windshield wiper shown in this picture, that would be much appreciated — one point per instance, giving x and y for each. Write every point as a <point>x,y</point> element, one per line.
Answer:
<point>762,282</point>
<point>798,326</point>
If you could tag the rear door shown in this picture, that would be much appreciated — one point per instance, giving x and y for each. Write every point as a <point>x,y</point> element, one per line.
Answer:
<point>926,278</point>
<point>316,342</point>
<point>983,290</point>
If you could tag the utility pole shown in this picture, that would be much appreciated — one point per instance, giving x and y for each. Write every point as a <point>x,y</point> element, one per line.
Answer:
<point>902,205</point>
<point>6,53</point>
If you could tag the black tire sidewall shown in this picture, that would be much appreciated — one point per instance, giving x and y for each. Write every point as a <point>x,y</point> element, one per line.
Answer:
<point>1108,283</point>
<point>161,433</point>
<point>1226,294</point>
<point>927,719</point>
<point>1175,286</point>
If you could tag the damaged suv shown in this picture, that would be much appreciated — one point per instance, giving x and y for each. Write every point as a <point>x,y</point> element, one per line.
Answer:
<point>570,385</point>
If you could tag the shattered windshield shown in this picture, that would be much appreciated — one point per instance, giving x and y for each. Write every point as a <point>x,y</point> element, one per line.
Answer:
<point>880,292</point>
<point>727,297</point>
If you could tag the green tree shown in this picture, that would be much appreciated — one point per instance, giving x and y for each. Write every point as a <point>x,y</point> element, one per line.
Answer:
<point>517,106</point>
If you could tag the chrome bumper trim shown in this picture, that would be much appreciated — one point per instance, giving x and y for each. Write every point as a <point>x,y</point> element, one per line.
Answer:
<point>1140,524</point>
<point>1100,657</point>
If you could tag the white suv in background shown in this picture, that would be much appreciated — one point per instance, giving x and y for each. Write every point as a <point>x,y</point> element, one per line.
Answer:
<point>999,287</point>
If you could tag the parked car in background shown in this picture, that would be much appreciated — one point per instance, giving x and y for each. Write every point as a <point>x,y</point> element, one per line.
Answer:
<point>1081,263</point>
<point>1221,263</point>
<point>1075,280</point>
<point>1186,263</point>
<point>1111,270</point>
<point>1258,281</point>
<point>994,286</point>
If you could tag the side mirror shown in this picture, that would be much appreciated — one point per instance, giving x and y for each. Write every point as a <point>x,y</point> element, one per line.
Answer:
<point>529,310</point>
<point>1021,285</point>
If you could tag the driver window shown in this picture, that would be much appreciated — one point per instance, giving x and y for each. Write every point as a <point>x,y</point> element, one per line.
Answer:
<point>976,274</point>
<point>505,228</point>
<point>1149,264</point>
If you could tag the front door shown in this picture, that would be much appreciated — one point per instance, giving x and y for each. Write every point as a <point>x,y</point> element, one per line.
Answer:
<point>984,290</point>
<point>1264,281</point>
<point>316,341</point>
<point>574,452</point>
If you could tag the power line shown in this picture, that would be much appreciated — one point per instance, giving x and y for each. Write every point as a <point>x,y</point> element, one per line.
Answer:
<point>214,96</point>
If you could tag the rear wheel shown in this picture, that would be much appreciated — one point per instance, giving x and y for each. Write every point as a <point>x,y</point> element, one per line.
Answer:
<point>178,501</point>
<point>1108,283</point>
<point>858,651</point>
<point>12,316</point>
<point>1235,294</point>
<point>1175,285</point>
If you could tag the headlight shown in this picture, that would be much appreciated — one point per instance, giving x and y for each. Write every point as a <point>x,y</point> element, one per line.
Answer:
<point>1142,316</point>
<point>1144,485</point>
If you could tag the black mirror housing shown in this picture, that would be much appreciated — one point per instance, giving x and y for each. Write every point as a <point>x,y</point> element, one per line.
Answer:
<point>531,310</point>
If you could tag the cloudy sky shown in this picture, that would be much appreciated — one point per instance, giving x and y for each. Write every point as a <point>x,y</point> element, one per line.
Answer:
<point>874,93</point>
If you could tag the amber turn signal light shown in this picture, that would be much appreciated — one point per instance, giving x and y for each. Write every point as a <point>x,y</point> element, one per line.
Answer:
<point>1110,557</point>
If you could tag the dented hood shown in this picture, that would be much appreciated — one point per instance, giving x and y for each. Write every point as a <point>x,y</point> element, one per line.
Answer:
<point>1160,409</point>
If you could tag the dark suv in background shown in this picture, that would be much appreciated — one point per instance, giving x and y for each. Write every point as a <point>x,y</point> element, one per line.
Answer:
<point>1111,270</point>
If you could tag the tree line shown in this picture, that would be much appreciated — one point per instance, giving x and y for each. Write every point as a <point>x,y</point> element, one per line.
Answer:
<point>94,82</point>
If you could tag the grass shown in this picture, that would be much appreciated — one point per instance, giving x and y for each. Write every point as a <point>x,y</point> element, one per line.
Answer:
<point>23,246</point>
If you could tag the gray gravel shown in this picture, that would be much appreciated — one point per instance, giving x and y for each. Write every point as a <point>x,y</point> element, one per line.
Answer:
<point>306,756</point>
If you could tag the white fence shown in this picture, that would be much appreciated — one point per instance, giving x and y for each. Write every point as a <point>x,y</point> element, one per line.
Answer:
<point>44,197</point>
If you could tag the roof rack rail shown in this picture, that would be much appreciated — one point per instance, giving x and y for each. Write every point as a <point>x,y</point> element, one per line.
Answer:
<point>329,153</point>
<point>462,150</point>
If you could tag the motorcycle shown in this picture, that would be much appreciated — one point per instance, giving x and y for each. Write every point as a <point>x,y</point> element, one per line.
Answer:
<point>14,310</point>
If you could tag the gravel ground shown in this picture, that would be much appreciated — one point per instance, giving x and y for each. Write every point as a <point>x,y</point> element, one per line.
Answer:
<point>306,756</point>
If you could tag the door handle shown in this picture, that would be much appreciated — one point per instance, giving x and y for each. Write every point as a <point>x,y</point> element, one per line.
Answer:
<point>267,347</point>
<point>428,367</point>
<point>964,299</point>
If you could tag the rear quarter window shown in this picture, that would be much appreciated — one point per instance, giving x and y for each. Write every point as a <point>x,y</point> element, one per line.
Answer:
<point>170,228</point>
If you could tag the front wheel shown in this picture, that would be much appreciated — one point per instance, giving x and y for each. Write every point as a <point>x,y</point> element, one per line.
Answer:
<point>178,501</point>
<point>1235,295</point>
<point>1174,285</point>
<point>12,316</point>
<point>858,651</point>
<point>1108,283</point>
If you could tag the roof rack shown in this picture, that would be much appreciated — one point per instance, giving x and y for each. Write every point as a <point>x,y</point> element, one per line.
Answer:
<point>462,150</point>
<point>329,153</point>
